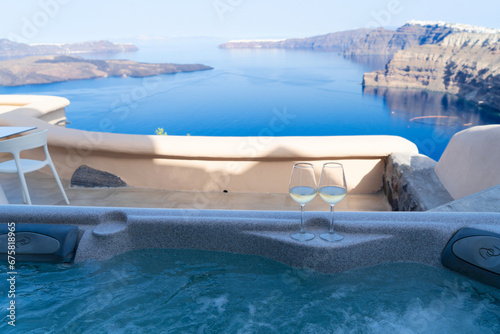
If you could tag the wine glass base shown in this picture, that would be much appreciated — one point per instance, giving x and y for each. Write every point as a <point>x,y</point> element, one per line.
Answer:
<point>332,237</point>
<point>302,236</point>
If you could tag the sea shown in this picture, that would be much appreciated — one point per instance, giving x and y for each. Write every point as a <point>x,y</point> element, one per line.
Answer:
<point>314,93</point>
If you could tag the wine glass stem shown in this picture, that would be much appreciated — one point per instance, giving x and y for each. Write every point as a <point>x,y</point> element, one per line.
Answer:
<point>331,219</point>
<point>302,218</point>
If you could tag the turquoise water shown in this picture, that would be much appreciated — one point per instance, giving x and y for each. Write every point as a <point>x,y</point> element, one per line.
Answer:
<point>188,291</point>
<point>320,94</point>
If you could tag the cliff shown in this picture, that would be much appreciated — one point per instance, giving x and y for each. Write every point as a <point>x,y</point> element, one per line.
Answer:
<point>466,62</point>
<point>49,69</point>
<point>14,49</point>
<point>355,42</point>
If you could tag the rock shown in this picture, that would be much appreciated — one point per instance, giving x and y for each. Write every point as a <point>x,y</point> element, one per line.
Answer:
<point>49,69</point>
<point>89,177</point>
<point>465,63</point>
<point>411,184</point>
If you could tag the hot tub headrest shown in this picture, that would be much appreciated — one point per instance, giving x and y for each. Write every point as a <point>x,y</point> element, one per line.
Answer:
<point>474,253</point>
<point>38,242</point>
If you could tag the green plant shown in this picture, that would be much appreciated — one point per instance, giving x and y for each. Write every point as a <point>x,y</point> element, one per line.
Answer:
<point>160,132</point>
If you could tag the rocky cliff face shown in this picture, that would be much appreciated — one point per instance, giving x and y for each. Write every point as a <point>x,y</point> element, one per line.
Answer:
<point>49,69</point>
<point>14,49</point>
<point>465,62</point>
<point>452,58</point>
<point>355,42</point>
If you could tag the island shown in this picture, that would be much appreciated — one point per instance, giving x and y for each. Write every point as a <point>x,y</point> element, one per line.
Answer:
<point>57,68</point>
<point>453,58</point>
<point>13,49</point>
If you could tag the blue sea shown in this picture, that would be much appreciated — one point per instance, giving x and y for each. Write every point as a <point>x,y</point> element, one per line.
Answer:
<point>318,93</point>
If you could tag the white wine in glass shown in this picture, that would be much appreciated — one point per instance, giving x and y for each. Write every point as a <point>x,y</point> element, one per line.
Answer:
<point>302,190</point>
<point>332,189</point>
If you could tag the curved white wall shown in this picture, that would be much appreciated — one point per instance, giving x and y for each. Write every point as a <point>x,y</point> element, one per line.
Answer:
<point>249,164</point>
<point>471,161</point>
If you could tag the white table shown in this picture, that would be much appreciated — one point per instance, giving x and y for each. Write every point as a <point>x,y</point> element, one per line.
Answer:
<point>6,131</point>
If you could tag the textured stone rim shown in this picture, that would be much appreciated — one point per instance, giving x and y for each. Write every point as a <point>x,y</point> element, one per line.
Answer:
<point>370,238</point>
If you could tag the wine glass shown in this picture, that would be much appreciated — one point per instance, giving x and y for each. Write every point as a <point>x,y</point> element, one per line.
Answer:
<point>332,189</point>
<point>302,190</point>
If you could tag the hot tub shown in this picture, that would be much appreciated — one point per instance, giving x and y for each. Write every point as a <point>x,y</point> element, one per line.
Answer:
<point>150,270</point>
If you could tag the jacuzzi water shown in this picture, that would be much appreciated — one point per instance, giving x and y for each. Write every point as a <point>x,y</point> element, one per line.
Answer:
<point>188,291</point>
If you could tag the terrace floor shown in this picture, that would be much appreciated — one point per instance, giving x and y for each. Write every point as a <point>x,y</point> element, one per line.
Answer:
<point>44,191</point>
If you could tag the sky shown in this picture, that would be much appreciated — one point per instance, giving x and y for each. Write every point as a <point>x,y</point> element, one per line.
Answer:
<point>58,21</point>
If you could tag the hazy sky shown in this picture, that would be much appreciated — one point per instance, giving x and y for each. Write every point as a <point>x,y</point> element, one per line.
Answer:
<point>37,21</point>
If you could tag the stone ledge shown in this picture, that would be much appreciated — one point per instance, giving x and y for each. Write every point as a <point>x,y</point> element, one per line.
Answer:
<point>484,201</point>
<point>411,184</point>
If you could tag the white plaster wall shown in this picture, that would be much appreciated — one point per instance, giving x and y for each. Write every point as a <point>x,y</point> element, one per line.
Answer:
<point>471,161</point>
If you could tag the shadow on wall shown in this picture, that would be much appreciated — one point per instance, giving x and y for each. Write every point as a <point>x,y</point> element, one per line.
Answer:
<point>265,175</point>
